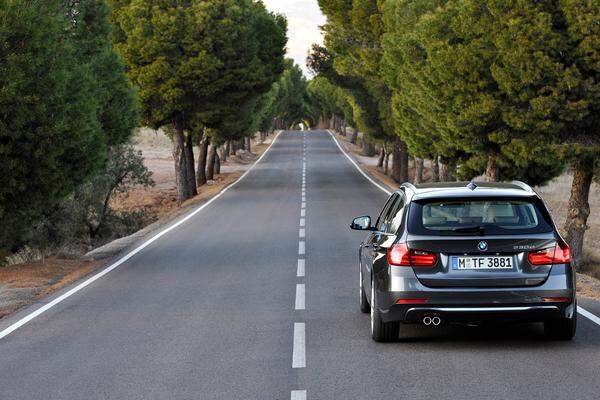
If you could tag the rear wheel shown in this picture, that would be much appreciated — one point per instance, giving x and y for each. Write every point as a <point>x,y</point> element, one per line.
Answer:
<point>364,303</point>
<point>561,329</point>
<point>381,331</point>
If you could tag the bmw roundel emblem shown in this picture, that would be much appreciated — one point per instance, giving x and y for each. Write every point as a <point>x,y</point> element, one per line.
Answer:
<point>483,246</point>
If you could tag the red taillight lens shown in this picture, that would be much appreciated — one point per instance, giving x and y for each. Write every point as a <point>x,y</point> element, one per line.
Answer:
<point>400,255</point>
<point>422,258</point>
<point>562,255</point>
<point>551,255</point>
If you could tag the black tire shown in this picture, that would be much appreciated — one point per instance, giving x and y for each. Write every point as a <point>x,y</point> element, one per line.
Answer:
<point>561,329</point>
<point>382,331</point>
<point>364,302</point>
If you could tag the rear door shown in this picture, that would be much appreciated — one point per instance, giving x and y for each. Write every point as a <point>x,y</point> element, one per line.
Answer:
<point>481,242</point>
<point>369,242</point>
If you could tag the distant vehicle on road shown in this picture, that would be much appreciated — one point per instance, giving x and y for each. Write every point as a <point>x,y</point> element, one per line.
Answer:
<point>465,253</point>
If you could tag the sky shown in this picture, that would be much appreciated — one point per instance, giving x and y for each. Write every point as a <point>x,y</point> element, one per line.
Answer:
<point>304,18</point>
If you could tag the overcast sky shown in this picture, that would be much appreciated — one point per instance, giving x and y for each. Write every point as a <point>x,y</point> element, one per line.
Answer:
<point>304,18</point>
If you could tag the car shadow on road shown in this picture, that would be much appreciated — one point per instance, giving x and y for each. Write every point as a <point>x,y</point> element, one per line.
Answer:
<point>493,335</point>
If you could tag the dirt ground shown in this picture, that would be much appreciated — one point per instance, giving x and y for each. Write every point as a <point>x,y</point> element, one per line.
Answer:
<point>556,195</point>
<point>23,284</point>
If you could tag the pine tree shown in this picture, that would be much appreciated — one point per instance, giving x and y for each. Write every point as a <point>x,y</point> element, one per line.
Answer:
<point>50,137</point>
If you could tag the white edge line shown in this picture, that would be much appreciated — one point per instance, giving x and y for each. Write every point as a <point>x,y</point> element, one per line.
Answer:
<point>356,165</point>
<point>588,315</point>
<point>580,309</point>
<point>7,331</point>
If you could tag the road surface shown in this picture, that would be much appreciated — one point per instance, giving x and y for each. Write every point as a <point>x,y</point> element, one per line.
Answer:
<point>255,297</point>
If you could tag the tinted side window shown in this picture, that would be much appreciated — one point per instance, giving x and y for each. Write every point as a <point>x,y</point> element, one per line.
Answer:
<point>387,219</point>
<point>396,215</point>
<point>386,209</point>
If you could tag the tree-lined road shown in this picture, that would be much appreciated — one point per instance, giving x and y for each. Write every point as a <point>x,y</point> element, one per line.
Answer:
<point>256,297</point>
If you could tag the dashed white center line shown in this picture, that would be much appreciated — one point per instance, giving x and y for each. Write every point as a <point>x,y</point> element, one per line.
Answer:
<point>298,395</point>
<point>299,352</point>
<point>300,296</point>
<point>300,271</point>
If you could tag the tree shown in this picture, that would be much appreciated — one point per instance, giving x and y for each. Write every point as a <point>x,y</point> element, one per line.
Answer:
<point>198,62</point>
<point>502,79</point>
<point>53,133</point>
<point>352,60</point>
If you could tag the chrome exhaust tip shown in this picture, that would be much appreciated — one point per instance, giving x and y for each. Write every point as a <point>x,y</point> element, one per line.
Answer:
<point>436,321</point>
<point>427,321</point>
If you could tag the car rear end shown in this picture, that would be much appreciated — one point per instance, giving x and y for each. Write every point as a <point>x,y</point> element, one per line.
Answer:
<point>477,258</point>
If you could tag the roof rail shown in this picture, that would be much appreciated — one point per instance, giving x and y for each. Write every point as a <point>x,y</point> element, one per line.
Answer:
<point>523,186</point>
<point>409,186</point>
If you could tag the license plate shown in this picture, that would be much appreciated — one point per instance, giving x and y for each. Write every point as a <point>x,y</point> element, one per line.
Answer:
<point>482,262</point>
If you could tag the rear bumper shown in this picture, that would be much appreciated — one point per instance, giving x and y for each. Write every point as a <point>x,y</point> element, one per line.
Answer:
<point>532,313</point>
<point>477,304</point>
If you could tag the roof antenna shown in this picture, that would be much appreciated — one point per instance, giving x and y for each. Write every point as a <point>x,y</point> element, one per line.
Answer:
<point>472,185</point>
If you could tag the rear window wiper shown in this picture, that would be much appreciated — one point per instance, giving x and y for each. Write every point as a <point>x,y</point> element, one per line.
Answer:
<point>470,229</point>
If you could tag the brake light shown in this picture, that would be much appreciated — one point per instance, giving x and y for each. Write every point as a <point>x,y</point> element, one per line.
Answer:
<point>400,255</point>
<point>551,255</point>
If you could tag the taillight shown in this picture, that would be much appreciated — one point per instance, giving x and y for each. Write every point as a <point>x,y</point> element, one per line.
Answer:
<point>400,255</point>
<point>551,255</point>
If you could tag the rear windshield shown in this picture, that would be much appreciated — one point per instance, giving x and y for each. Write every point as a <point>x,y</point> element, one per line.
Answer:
<point>478,217</point>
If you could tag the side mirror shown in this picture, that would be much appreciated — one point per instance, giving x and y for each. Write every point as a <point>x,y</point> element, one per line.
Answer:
<point>362,224</point>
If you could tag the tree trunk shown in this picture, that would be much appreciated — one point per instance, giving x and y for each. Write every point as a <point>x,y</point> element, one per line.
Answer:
<point>210,166</point>
<point>381,157</point>
<point>435,169</point>
<point>444,173</point>
<point>201,167</point>
<point>492,170</point>
<point>249,144</point>
<point>233,147</point>
<point>217,163</point>
<point>354,136</point>
<point>419,166</point>
<point>578,209</point>
<point>190,164</point>
<point>400,162</point>
<point>368,149</point>
<point>223,154</point>
<point>386,163</point>
<point>181,170</point>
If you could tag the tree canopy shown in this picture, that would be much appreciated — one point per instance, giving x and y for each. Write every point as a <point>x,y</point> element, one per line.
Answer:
<point>64,102</point>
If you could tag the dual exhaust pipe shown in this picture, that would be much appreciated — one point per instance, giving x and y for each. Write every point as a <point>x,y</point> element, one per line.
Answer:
<point>432,320</point>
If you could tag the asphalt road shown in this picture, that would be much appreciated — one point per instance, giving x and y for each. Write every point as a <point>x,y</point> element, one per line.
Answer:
<point>221,308</point>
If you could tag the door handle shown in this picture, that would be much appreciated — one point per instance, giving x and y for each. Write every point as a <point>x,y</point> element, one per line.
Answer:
<point>366,246</point>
